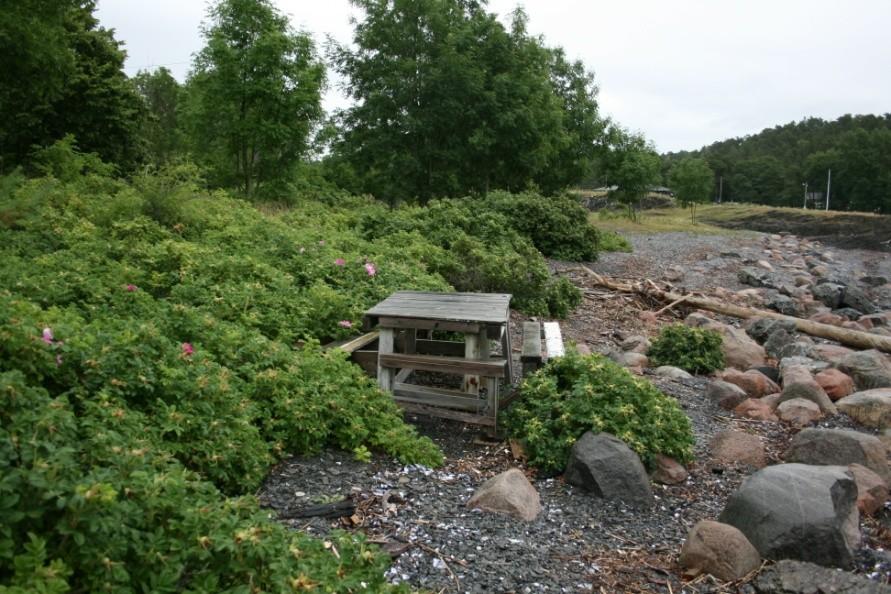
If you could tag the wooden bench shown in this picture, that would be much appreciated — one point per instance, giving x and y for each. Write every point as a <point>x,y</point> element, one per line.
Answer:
<point>535,352</point>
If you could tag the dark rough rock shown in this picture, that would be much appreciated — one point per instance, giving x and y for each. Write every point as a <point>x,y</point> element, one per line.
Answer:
<point>796,577</point>
<point>725,394</point>
<point>772,373</point>
<point>797,511</point>
<point>719,549</point>
<point>761,328</point>
<point>839,447</point>
<point>799,348</point>
<point>849,313</point>
<point>869,369</point>
<point>785,305</point>
<point>830,294</point>
<point>603,465</point>
<point>873,281</point>
<point>856,298</point>
<point>778,340</point>
<point>509,492</point>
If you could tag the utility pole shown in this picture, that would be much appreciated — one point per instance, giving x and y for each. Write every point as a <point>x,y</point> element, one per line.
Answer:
<point>720,188</point>
<point>828,185</point>
<point>805,195</point>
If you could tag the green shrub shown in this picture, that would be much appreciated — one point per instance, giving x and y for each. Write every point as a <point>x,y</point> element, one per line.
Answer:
<point>696,350</point>
<point>610,241</point>
<point>574,394</point>
<point>558,225</point>
<point>90,501</point>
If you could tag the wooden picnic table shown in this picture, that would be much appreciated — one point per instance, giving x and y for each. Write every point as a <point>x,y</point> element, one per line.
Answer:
<point>406,321</point>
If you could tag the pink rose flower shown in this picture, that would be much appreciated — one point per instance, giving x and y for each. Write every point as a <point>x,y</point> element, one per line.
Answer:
<point>370,269</point>
<point>345,324</point>
<point>340,262</point>
<point>130,288</point>
<point>187,349</point>
<point>47,336</point>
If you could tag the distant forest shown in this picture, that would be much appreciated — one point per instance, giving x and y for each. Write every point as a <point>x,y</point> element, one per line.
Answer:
<point>771,167</point>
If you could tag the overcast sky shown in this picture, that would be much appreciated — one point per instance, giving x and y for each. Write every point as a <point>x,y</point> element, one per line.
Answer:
<point>685,73</point>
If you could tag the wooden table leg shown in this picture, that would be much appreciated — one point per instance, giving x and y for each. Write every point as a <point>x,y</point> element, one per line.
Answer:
<point>491,384</point>
<point>471,383</point>
<point>409,342</point>
<point>385,374</point>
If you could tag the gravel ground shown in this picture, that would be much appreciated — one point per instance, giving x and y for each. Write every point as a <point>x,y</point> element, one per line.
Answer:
<point>578,543</point>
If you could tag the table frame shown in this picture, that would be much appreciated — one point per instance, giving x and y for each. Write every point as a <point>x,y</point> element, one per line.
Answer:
<point>406,321</point>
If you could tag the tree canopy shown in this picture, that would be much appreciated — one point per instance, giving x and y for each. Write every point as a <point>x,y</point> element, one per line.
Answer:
<point>449,101</point>
<point>693,183</point>
<point>771,166</point>
<point>254,97</point>
<point>63,75</point>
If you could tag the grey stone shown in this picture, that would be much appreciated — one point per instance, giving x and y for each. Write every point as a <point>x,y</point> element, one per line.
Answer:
<point>839,447</point>
<point>873,281</point>
<point>799,383</point>
<point>869,407</point>
<point>777,340</point>
<point>830,294</point>
<point>798,412</point>
<point>796,577</point>
<point>725,394</point>
<point>508,493</point>
<point>675,373</point>
<point>810,364</point>
<point>799,348</point>
<point>797,511</point>
<point>869,369</point>
<point>719,549</point>
<point>603,465</point>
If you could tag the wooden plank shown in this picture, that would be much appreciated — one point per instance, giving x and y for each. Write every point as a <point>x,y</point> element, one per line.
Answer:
<point>445,413</point>
<point>507,349</point>
<point>531,342</point>
<point>354,344</point>
<point>450,348</point>
<point>385,372</point>
<point>367,360</point>
<point>456,365</point>
<point>553,340</point>
<point>416,323</point>
<point>491,382</point>
<point>457,307</point>
<point>436,397</point>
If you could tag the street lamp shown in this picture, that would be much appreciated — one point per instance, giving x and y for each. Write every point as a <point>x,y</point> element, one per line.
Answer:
<point>804,185</point>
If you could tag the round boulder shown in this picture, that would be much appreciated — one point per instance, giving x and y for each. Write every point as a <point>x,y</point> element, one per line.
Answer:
<point>719,549</point>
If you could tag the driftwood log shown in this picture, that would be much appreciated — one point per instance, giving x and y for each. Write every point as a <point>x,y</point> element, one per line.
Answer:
<point>845,336</point>
<point>338,509</point>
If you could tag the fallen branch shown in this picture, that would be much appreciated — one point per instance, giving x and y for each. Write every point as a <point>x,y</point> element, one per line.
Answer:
<point>338,509</point>
<point>853,338</point>
<point>672,304</point>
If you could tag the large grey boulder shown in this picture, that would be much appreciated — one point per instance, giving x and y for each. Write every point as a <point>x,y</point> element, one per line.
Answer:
<point>796,577</point>
<point>869,369</point>
<point>839,447</point>
<point>799,383</point>
<point>508,493</point>
<point>869,407</point>
<point>797,511</point>
<point>761,328</point>
<point>719,549</point>
<point>603,465</point>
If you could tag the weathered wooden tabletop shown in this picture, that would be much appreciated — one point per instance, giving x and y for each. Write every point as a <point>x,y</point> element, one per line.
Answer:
<point>481,308</point>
